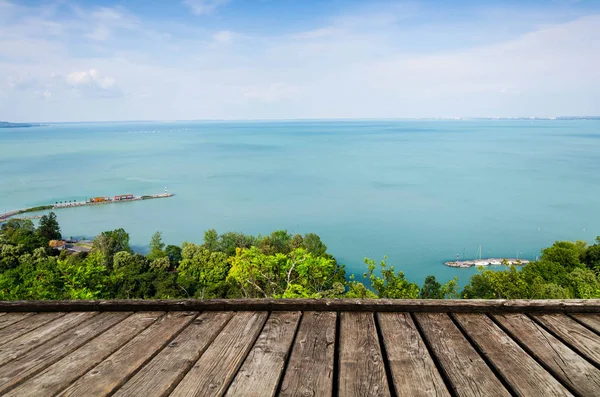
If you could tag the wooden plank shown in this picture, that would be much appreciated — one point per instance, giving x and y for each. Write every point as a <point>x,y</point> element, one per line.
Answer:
<point>310,369</point>
<point>361,366</point>
<point>468,373</point>
<point>61,374</point>
<point>41,357</point>
<point>262,369</point>
<point>565,364</point>
<point>590,320</point>
<point>586,342</point>
<point>12,318</point>
<point>160,376</point>
<point>114,371</point>
<point>29,324</point>
<point>361,305</point>
<point>213,372</point>
<point>413,371</point>
<point>21,345</point>
<point>522,373</point>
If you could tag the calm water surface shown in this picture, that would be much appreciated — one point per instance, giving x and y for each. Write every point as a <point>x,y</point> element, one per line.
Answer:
<point>418,191</point>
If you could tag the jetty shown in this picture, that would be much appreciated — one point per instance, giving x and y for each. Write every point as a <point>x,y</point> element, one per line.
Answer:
<point>94,201</point>
<point>487,262</point>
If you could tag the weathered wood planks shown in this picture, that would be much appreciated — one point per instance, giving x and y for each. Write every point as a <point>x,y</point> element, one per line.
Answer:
<point>361,367</point>
<point>524,375</point>
<point>467,371</point>
<point>310,367</point>
<point>24,326</point>
<point>340,305</point>
<point>64,372</point>
<point>262,369</point>
<point>13,349</point>
<point>586,342</point>
<point>289,353</point>
<point>590,320</point>
<point>565,364</point>
<point>111,373</point>
<point>160,376</point>
<point>11,318</point>
<point>413,371</point>
<point>213,372</point>
<point>53,350</point>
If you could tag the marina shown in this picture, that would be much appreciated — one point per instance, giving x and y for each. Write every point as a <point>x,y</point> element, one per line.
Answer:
<point>487,262</point>
<point>93,201</point>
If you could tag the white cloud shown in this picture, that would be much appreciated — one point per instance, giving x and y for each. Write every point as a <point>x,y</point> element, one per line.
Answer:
<point>223,37</point>
<point>204,7</point>
<point>91,84</point>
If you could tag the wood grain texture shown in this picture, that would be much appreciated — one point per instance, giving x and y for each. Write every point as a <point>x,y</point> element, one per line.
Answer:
<point>361,367</point>
<point>413,371</point>
<point>522,373</point>
<point>592,321</point>
<point>586,342</point>
<point>262,369</point>
<point>29,324</point>
<point>216,368</point>
<point>361,305</point>
<point>467,371</point>
<point>160,376</point>
<point>310,368</point>
<point>564,363</point>
<point>114,371</point>
<point>46,354</point>
<point>61,374</point>
<point>21,345</point>
<point>12,318</point>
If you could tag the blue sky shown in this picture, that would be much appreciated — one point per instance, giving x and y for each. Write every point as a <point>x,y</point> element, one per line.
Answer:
<point>92,60</point>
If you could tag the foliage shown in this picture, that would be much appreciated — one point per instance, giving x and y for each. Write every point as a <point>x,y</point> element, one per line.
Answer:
<point>111,242</point>
<point>49,228</point>
<point>157,247</point>
<point>279,265</point>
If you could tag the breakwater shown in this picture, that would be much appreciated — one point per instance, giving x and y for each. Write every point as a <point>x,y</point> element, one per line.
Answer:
<point>487,262</point>
<point>10,214</point>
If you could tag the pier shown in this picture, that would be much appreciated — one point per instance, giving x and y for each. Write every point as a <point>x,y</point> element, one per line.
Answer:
<point>11,214</point>
<point>487,262</point>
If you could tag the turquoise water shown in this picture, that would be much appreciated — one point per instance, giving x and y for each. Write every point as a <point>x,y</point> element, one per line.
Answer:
<point>418,191</point>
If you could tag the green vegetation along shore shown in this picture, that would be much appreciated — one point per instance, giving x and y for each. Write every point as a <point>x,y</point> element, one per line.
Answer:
<point>280,265</point>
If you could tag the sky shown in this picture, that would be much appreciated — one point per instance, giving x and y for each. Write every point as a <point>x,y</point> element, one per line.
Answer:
<point>93,60</point>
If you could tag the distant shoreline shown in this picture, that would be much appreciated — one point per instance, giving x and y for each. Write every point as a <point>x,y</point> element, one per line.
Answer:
<point>5,124</point>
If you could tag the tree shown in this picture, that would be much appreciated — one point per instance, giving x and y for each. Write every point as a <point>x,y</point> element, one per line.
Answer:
<point>156,247</point>
<point>211,240</point>
<point>174,254</point>
<point>276,243</point>
<point>313,244</point>
<point>431,289</point>
<point>203,273</point>
<point>111,242</point>
<point>564,253</point>
<point>390,285</point>
<point>49,228</point>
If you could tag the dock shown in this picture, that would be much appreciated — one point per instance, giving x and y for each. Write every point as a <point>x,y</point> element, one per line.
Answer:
<point>300,347</point>
<point>12,214</point>
<point>487,262</point>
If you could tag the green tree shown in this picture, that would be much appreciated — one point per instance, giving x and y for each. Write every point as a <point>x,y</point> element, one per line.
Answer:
<point>211,240</point>
<point>157,247</point>
<point>313,244</point>
<point>390,285</point>
<point>431,289</point>
<point>174,254</point>
<point>111,242</point>
<point>49,228</point>
<point>203,273</point>
<point>564,253</point>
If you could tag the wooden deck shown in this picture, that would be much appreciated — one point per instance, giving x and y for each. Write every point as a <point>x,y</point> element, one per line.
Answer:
<point>300,348</point>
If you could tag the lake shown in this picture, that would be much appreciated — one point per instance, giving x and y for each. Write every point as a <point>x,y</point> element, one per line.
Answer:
<point>418,191</point>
